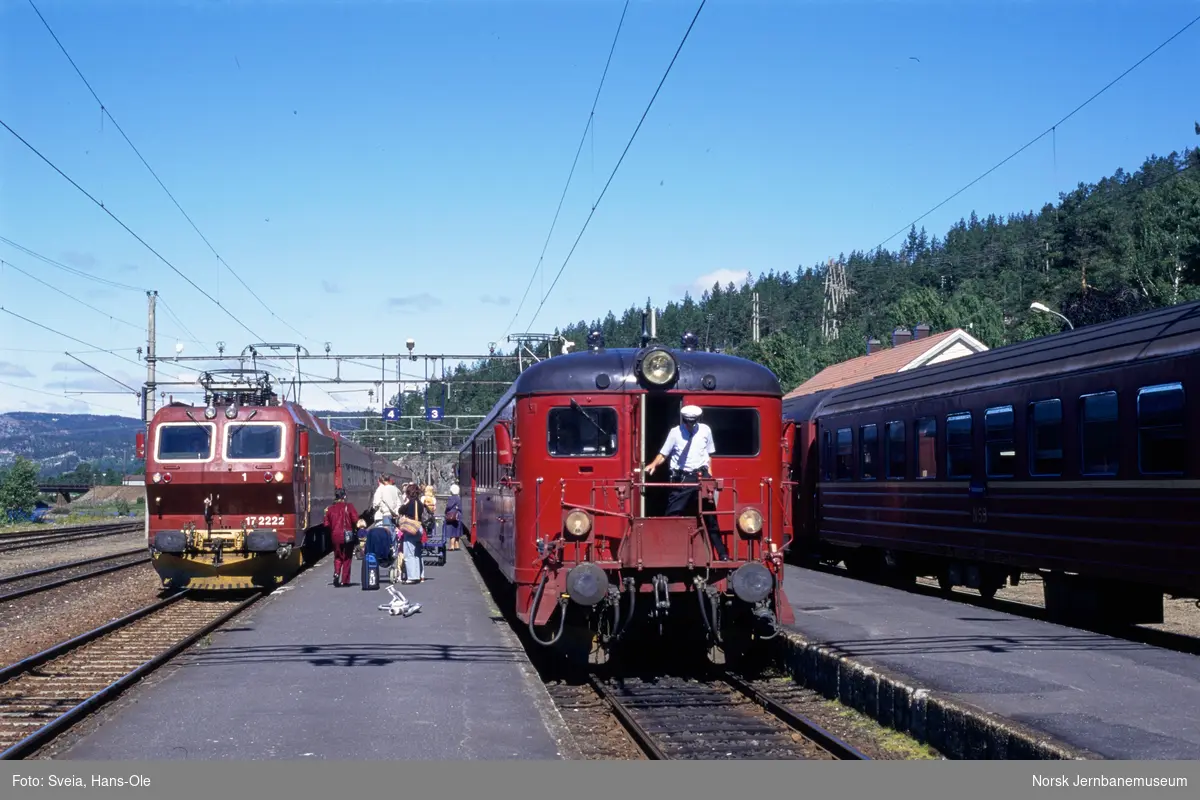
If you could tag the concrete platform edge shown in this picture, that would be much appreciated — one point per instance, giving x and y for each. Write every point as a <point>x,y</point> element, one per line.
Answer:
<point>552,718</point>
<point>956,729</point>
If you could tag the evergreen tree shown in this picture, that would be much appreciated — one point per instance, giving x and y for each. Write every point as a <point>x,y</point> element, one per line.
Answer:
<point>19,491</point>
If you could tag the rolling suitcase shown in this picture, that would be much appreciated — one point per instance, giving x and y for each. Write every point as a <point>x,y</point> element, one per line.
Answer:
<point>370,572</point>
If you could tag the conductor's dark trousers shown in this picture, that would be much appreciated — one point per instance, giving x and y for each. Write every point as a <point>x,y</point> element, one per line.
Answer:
<point>682,503</point>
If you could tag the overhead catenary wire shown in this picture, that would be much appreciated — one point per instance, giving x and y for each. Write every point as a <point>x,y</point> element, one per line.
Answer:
<point>1044,133</point>
<point>76,272</point>
<point>131,232</point>
<point>67,295</point>
<point>20,388</point>
<point>620,160</point>
<point>571,174</point>
<point>106,112</point>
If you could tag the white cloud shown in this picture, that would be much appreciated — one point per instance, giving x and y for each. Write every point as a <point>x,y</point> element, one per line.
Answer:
<point>722,276</point>
<point>11,370</point>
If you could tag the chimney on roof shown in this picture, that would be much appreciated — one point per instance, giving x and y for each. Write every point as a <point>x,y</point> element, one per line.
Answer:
<point>921,331</point>
<point>873,345</point>
<point>900,336</point>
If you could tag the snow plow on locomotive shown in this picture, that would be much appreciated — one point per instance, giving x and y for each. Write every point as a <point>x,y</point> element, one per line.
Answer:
<point>236,490</point>
<point>556,495</point>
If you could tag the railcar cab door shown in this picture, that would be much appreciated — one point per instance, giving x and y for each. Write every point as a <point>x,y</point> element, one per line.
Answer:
<point>659,414</point>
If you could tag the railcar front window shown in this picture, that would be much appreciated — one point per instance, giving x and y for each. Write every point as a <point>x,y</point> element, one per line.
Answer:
<point>1045,438</point>
<point>735,431</point>
<point>926,449</point>
<point>1161,449</point>
<point>189,442</point>
<point>868,442</point>
<point>1001,442</point>
<point>253,442</point>
<point>960,450</point>
<point>583,431</point>
<point>897,455</point>
<point>845,454</point>
<point>1099,434</point>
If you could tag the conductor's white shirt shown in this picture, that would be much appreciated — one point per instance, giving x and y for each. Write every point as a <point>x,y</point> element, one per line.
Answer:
<point>700,453</point>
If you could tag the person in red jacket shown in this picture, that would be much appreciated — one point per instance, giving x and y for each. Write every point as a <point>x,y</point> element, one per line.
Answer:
<point>340,519</point>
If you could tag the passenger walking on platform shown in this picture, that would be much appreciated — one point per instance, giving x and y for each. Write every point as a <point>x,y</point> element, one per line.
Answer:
<point>414,569</point>
<point>386,502</point>
<point>453,519</point>
<point>690,448</point>
<point>340,520</point>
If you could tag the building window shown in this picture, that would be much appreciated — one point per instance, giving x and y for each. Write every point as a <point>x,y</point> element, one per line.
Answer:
<point>1001,442</point>
<point>1045,438</point>
<point>1161,449</point>
<point>1098,433</point>
<point>868,442</point>
<point>960,451</point>
<point>845,454</point>
<point>926,448</point>
<point>897,455</point>
<point>587,431</point>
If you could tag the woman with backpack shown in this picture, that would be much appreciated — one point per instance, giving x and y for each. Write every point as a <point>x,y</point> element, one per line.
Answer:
<point>453,526</point>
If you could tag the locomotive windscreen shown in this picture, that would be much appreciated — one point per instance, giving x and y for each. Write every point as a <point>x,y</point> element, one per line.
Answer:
<point>184,442</point>
<point>254,442</point>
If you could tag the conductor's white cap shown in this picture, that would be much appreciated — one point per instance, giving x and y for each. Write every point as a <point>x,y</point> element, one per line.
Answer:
<point>690,412</point>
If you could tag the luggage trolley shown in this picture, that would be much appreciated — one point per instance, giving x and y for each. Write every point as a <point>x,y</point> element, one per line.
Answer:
<point>434,549</point>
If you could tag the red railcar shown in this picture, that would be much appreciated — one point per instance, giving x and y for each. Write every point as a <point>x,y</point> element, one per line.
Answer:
<point>1073,455</point>
<point>236,490</point>
<point>554,493</point>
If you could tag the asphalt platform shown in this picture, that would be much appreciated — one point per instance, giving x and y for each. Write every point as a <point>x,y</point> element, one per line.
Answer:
<point>317,672</point>
<point>1115,698</point>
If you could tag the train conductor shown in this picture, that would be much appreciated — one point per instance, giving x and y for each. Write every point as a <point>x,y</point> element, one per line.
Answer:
<point>690,447</point>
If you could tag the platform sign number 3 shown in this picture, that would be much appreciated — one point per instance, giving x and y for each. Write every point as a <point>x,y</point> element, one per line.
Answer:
<point>433,413</point>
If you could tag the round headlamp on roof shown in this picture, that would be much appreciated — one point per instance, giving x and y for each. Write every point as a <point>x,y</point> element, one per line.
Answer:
<point>691,413</point>
<point>658,367</point>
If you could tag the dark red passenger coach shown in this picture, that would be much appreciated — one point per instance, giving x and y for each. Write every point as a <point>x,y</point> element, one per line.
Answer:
<point>1073,455</point>
<point>554,494</point>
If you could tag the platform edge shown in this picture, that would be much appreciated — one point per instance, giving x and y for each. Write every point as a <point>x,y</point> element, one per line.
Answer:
<point>956,729</point>
<point>552,719</point>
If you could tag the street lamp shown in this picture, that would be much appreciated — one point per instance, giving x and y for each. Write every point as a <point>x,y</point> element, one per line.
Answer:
<point>1043,309</point>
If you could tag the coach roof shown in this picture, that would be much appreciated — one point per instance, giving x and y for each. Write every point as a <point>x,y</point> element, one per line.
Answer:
<point>578,372</point>
<point>1161,333</point>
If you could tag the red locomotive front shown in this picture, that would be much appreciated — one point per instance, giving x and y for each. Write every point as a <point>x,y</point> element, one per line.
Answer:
<point>235,490</point>
<point>559,499</point>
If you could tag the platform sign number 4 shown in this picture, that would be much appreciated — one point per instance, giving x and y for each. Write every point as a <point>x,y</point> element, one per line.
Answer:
<point>433,413</point>
<point>391,414</point>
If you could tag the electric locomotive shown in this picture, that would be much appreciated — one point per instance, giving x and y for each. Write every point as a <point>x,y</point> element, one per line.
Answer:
<point>236,490</point>
<point>556,496</point>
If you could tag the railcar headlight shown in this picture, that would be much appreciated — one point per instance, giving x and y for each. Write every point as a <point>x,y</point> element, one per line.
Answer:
<point>750,521</point>
<point>231,412</point>
<point>658,367</point>
<point>578,523</point>
<point>210,412</point>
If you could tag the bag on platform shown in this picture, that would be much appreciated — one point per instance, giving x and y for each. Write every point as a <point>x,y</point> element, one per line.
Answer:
<point>370,573</point>
<point>452,515</point>
<point>409,526</point>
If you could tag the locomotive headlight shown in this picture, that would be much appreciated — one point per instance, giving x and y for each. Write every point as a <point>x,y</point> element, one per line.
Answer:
<point>750,521</point>
<point>231,412</point>
<point>157,478</point>
<point>279,477</point>
<point>279,498</point>
<point>210,412</point>
<point>658,367</point>
<point>578,523</point>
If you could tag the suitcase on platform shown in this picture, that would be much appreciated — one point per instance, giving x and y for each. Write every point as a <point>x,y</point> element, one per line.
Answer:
<point>370,573</point>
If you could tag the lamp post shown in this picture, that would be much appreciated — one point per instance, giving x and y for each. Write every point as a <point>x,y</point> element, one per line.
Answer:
<point>1043,309</point>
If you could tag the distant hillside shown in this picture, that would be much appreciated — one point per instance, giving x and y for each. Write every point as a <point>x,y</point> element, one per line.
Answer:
<point>58,442</point>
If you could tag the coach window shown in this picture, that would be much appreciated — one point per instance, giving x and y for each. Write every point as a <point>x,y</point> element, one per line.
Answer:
<point>827,455</point>
<point>585,431</point>
<point>735,431</point>
<point>1045,438</point>
<point>187,441</point>
<point>960,447</point>
<point>1099,434</point>
<point>897,455</point>
<point>1161,448</point>
<point>926,448</point>
<point>1001,442</point>
<point>845,454</point>
<point>868,458</point>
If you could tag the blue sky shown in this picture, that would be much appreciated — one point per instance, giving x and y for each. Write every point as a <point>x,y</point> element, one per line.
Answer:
<point>383,170</point>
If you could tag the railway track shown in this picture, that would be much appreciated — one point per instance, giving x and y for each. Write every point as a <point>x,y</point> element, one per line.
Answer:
<point>24,584</point>
<point>722,718</point>
<point>24,540</point>
<point>43,695</point>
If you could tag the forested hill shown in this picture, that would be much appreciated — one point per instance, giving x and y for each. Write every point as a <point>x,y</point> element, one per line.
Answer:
<point>1126,244</point>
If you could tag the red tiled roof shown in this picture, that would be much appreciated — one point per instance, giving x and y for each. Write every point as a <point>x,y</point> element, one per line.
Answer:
<point>864,368</point>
